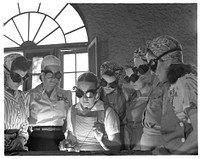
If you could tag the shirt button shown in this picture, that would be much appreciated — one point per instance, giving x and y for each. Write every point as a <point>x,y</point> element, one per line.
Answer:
<point>181,124</point>
<point>182,139</point>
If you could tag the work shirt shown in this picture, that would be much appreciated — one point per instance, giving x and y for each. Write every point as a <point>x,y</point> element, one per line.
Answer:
<point>179,98</point>
<point>81,126</point>
<point>16,112</point>
<point>117,100</point>
<point>153,112</point>
<point>48,111</point>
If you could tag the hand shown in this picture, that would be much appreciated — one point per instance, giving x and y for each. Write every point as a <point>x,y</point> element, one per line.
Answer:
<point>99,131</point>
<point>17,144</point>
<point>160,151</point>
<point>66,145</point>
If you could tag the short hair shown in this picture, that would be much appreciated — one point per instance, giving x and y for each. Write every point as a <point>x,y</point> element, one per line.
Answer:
<point>21,63</point>
<point>89,77</point>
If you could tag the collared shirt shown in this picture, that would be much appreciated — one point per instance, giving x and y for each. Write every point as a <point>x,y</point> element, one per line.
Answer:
<point>179,98</point>
<point>16,112</point>
<point>183,95</point>
<point>153,113</point>
<point>45,111</point>
<point>117,100</point>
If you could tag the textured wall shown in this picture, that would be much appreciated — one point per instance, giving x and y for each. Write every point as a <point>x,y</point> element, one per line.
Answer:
<point>122,28</point>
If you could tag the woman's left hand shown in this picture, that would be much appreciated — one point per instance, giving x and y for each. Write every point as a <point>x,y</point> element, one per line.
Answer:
<point>98,130</point>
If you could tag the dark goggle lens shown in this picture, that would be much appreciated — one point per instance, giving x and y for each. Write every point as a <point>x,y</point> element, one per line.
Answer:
<point>135,70</point>
<point>17,78</point>
<point>113,84</point>
<point>153,64</point>
<point>134,78</point>
<point>127,79</point>
<point>88,94</point>
<point>142,69</point>
<point>104,83</point>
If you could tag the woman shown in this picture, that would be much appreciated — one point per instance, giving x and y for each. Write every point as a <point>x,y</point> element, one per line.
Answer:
<point>179,117</point>
<point>141,79</point>
<point>16,114</point>
<point>48,104</point>
<point>91,125</point>
<point>113,93</point>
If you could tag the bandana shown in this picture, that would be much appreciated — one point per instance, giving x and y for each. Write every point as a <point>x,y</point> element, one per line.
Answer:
<point>8,60</point>
<point>110,67</point>
<point>166,43</point>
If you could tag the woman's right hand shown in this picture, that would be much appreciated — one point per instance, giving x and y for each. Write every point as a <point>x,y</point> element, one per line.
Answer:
<point>69,143</point>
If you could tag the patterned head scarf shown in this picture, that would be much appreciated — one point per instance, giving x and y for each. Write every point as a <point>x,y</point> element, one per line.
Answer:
<point>166,43</point>
<point>8,60</point>
<point>112,69</point>
<point>138,53</point>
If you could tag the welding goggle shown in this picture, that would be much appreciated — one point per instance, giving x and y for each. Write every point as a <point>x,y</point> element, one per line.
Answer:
<point>16,77</point>
<point>154,62</point>
<point>137,71</point>
<point>104,83</point>
<point>50,74</point>
<point>88,94</point>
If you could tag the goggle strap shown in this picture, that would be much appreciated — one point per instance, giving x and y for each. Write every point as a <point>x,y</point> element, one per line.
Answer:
<point>165,53</point>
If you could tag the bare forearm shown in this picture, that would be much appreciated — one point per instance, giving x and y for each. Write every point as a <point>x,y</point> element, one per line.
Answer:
<point>110,145</point>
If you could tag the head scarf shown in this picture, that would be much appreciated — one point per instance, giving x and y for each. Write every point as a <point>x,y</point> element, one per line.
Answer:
<point>166,43</point>
<point>50,60</point>
<point>111,68</point>
<point>138,53</point>
<point>8,60</point>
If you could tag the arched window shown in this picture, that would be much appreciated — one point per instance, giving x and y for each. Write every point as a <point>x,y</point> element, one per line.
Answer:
<point>37,29</point>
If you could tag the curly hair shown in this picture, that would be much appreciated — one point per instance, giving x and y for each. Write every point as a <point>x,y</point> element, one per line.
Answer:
<point>21,63</point>
<point>176,71</point>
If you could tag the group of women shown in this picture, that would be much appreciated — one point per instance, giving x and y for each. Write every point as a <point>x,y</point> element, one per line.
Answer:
<point>148,105</point>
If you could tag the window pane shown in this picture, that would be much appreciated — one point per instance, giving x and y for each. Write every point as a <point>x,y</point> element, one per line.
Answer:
<point>69,63</point>
<point>69,81</point>
<point>37,64</point>
<point>82,62</point>
<point>77,36</point>
<point>47,27</point>
<point>55,38</point>
<point>22,24</point>
<point>35,22</point>
<point>35,81</point>
<point>11,31</point>
<point>69,19</point>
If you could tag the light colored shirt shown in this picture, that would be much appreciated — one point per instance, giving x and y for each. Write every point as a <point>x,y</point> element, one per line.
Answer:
<point>81,126</point>
<point>178,99</point>
<point>45,111</point>
<point>16,112</point>
<point>183,95</point>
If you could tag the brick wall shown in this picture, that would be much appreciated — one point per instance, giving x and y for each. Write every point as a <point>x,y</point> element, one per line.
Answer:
<point>122,28</point>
